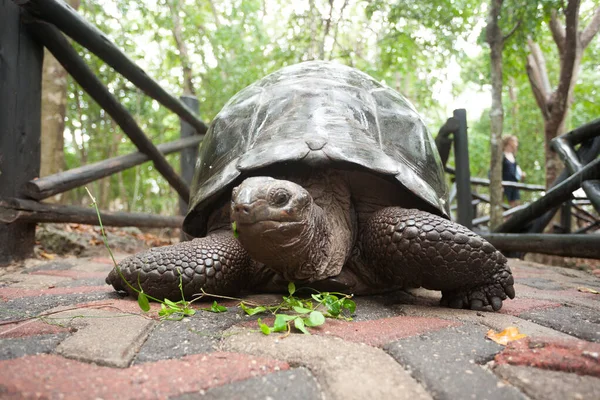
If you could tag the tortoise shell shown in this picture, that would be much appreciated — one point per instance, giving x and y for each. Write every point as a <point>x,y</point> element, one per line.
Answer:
<point>319,114</point>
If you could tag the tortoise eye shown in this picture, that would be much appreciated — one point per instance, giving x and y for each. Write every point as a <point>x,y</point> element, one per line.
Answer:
<point>279,197</point>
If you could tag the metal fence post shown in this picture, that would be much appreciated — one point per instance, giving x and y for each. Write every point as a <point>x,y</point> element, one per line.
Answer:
<point>463,173</point>
<point>188,155</point>
<point>20,114</point>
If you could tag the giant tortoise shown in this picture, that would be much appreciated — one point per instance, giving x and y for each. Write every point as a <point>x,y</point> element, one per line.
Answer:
<point>331,180</point>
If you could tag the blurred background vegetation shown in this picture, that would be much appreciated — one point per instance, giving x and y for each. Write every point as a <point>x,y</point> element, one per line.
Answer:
<point>434,52</point>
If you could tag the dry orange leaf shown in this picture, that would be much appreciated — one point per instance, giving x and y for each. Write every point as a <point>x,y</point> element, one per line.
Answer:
<point>47,256</point>
<point>588,290</point>
<point>507,335</point>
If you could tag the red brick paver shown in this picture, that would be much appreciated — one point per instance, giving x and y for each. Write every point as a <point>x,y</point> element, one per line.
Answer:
<point>74,274</point>
<point>53,376</point>
<point>381,331</point>
<point>9,293</point>
<point>521,305</point>
<point>576,356</point>
<point>29,328</point>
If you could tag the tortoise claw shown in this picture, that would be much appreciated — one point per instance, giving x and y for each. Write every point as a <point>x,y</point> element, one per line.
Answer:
<point>476,304</point>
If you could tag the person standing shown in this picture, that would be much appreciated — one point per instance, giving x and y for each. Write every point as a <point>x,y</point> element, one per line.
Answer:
<point>510,169</point>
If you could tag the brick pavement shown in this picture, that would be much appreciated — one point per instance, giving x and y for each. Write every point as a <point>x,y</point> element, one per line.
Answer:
<point>87,342</point>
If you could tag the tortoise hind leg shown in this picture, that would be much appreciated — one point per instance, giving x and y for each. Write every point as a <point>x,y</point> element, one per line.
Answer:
<point>412,248</point>
<point>217,264</point>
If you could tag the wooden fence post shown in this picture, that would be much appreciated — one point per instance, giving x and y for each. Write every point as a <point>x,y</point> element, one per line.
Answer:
<point>189,155</point>
<point>20,106</point>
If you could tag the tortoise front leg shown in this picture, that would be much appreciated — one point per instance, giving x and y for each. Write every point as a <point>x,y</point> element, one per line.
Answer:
<point>412,248</point>
<point>218,264</point>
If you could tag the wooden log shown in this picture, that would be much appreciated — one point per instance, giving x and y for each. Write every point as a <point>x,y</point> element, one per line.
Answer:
<point>583,133</point>
<point>463,174</point>
<point>61,182</point>
<point>20,98</point>
<point>553,198</point>
<point>188,157</point>
<point>58,45</point>
<point>571,160</point>
<point>14,210</point>
<point>73,24</point>
<point>443,141</point>
<point>486,182</point>
<point>564,245</point>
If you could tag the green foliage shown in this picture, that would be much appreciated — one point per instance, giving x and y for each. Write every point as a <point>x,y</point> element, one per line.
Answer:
<point>303,313</point>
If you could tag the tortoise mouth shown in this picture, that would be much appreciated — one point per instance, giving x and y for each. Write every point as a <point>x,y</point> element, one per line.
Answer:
<point>260,211</point>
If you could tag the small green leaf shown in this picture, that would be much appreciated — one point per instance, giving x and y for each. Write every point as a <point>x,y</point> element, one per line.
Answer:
<point>252,311</point>
<point>236,234</point>
<point>172,305</point>
<point>264,328</point>
<point>291,288</point>
<point>349,305</point>
<point>315,318</point>
<point>143,302</point>
<point>301,310</point>
<point>189,311</point>
<point>299,324</point>
<point>217,308</point>
<point>281,321</point>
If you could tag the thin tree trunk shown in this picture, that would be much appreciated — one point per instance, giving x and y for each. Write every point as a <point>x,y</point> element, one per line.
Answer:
<point>54,108</point>
<point>188,81</point>
<point>496,42</point>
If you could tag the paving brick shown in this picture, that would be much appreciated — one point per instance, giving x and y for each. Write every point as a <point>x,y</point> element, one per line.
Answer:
<point>88,265</point>
<point>343,369</point>
<point>54,377</point>
<point>550,385</point>
<point>381,331</point>
<point>9,293</point>
<point>59,265</point>
<point>571,355</point>
<point>294,384</point>
<point>19,347</point>
<point>494,320</point>
<point>94,327</point>
<point>200,333</point>
<point>580,322</point>
<point>521,305</point>
<point>30,328</point>
<point>23,307</point>
<point>73,274</point>
<point>446,363</point>
<point>33,282</point>
<point>541,283</point>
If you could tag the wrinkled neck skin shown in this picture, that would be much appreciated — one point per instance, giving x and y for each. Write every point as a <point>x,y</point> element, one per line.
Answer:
<point>315,247</point>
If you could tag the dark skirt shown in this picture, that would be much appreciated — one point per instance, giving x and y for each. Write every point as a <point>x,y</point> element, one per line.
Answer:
<point>512,193</point>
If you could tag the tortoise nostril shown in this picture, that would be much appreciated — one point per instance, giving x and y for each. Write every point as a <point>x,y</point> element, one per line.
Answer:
<point>242,209</point>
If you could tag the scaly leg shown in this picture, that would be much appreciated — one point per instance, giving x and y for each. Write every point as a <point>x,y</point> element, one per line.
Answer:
<point>218,264</point>
<point>412,248</point>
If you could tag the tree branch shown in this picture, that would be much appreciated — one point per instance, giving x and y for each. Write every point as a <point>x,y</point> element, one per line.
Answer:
<point>536,86</point>
<point>558,32</point>
<point>540,68</point>
<point>512,31</point>
<point>591,30</point>
<point>568,59</point>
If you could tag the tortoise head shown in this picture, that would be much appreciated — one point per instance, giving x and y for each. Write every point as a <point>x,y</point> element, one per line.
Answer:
<point>274,221</point>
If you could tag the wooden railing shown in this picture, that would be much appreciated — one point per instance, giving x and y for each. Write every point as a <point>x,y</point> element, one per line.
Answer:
<point>26,27</point>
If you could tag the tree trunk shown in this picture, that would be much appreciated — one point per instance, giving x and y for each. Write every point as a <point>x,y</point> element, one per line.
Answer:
<point>54,107</point>
<point>188,82</point>
<point>555,105</point>
<point>496,42</point>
